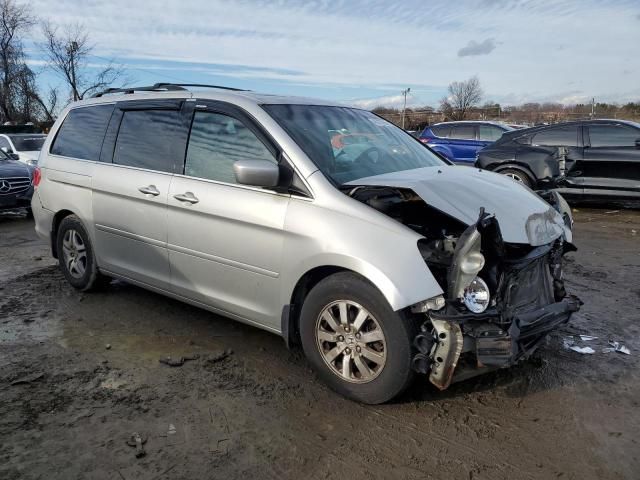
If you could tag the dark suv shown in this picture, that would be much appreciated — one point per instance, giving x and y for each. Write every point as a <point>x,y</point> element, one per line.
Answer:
<point>587,160</point>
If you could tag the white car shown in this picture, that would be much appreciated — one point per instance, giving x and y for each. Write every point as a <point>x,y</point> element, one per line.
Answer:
<point>26,146</point>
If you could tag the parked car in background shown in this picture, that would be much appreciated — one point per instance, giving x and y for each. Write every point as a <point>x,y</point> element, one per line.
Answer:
<point>584,160</point>
<point>16,187</point>
<point>373,253</point>
<point>24,146</point>
<point>461,141</point>
<point>414,133</point>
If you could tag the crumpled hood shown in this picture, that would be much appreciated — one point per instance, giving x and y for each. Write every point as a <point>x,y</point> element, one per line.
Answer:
<point>461,191</point>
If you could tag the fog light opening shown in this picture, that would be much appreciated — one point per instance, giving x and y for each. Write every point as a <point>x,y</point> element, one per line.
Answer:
<point>476,296</point>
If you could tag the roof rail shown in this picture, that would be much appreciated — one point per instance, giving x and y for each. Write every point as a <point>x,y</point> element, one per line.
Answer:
<point>202,85</point>
<point>161,87</point>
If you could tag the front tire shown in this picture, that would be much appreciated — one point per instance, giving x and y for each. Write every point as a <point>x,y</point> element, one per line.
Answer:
<point>354,340</point>
<point>76,257</point>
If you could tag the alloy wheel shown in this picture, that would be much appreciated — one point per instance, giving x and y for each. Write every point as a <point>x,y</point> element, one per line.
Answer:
<point>74,253</point>
<point>515,176</point>
<point>351,341</point>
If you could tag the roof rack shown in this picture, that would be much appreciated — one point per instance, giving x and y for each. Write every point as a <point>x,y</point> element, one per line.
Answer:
<point>162,87</point>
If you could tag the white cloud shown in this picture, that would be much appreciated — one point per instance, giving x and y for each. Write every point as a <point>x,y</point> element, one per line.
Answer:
<point>389,101</point>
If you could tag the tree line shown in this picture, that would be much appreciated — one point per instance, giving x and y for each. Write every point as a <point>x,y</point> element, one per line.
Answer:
<point>464,102</point>
<point>66,49</point>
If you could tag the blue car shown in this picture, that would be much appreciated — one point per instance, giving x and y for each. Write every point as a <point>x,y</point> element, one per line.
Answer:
<point>461,141</point>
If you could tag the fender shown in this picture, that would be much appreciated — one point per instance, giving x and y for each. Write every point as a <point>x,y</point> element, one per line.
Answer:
<point>384,252</point>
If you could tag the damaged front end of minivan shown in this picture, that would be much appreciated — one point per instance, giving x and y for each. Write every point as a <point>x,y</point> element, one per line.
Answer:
<point>500,298</point>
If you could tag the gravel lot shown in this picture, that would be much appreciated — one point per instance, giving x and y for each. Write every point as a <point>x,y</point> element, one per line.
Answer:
<point>80,373</point>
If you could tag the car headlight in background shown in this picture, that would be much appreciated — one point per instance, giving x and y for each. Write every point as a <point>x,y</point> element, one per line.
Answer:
<point>476,296</point>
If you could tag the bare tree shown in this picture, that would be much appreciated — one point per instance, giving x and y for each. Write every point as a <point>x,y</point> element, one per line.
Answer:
<point>49,106</point>
<point>462,97</point>
<point>15,20</point>
<point>68,52</point>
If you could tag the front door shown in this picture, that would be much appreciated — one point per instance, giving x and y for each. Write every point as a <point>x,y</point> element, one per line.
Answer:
<point>611,160</point>
<point>463,143</point>
<point>144,146</point>
<point>225,239</point>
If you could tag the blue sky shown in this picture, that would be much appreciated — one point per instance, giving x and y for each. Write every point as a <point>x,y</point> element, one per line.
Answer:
<point>366,52</point>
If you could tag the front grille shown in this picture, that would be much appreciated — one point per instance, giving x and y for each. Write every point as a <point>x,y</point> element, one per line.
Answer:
<point>13,185</point>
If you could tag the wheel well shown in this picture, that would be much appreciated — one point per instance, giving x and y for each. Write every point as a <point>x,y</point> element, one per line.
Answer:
<point>291,312</point>
<point>57,219</point>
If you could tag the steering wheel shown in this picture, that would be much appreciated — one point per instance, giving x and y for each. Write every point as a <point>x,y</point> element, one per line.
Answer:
<point>366,155</point>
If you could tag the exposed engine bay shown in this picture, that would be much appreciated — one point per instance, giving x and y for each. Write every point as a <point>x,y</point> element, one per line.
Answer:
<point>500,300</point>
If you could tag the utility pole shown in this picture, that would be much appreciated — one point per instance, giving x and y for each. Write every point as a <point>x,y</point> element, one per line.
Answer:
<point>593,108</point>
<point>404,107</point>
<point>71,51</point>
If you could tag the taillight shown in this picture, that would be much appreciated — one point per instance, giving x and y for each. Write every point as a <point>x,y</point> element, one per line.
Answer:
<point>425,139</point>
<point>37,176</point>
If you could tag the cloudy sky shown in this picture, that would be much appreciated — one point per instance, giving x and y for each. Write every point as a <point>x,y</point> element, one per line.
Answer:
<point>366,51</point>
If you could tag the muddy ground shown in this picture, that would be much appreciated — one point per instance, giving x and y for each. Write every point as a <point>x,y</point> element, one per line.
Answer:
<point>261,413</point>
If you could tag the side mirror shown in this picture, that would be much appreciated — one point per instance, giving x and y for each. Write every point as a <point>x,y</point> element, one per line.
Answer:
<point>13,156</point>
<point>259,173</point>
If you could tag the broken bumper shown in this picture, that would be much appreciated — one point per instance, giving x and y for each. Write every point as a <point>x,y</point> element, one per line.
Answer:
<point>491,345</point>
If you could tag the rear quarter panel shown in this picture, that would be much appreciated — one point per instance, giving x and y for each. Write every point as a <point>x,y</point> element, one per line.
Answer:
<point>65,184</point>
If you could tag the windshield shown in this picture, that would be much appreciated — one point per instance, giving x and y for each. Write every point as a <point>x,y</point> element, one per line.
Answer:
<point>28,144</point>
<point>347,144</point>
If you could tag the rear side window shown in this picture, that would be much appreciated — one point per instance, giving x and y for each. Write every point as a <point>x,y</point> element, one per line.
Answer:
<point>82,132</point>
<point>489,133</point>
<point>463,132</point>
<point>441,131</point>
<point>556,137</point>
<point>151,139</point>
<point>216,142</point>
<point>613,136</point>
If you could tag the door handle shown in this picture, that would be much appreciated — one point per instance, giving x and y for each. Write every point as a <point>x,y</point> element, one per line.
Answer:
<point>149,190</point>
<point>187,197</point>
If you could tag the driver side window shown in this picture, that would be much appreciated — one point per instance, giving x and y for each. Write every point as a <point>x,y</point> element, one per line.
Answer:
<point>216,142</point>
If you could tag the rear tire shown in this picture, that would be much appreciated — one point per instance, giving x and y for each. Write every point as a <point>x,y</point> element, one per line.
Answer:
<point>345,319</point>
<point>76,257</point>
<point>518,175</point>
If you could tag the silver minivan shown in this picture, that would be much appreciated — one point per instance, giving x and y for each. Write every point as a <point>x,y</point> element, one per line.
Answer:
<point>321,223</point>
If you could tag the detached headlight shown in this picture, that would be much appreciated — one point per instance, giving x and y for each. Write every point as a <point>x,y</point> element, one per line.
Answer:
<point>467,262</point>
<point>476,296</point>
<point>472,263</point>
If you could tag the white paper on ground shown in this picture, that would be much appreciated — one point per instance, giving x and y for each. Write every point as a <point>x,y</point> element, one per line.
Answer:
<point>583,350</point>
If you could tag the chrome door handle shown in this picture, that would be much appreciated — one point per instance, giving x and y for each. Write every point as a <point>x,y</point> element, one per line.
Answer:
<point>187,197</point>
<point>150,190</point>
